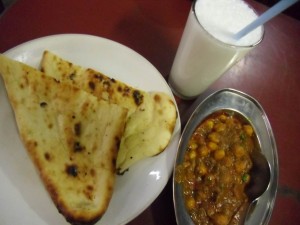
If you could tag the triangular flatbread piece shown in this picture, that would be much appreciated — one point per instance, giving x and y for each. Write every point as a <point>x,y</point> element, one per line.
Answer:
<point>151,115</point>
<point>71,136</point>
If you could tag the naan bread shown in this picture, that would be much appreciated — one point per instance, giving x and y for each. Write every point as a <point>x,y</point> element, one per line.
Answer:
<point>148,130</point>
<point>71,136</point>
<point>151,115</point>
<point>94,82</point>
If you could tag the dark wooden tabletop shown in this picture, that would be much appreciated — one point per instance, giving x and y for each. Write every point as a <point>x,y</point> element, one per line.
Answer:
<point>270,73</point>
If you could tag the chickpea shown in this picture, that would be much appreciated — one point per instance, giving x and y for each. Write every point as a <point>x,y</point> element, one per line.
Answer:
<point>191,203</point>
<point>219,154</point>
<point>248,129</point>
<point>240,166</point>
<point>209,124</point>
<point>219,127</point>
<point>193,145</point>
<point>192,154</point>
<point>239,151</point>
<point>214,136</point>
<point>202,169</point>
<point>204,151</point>
<point>221,219</point>
<point>212,145</point>
<point>223,118</point>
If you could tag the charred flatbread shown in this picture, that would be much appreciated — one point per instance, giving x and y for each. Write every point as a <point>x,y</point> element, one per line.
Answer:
<point>151,115</point>
<point>71,136</point>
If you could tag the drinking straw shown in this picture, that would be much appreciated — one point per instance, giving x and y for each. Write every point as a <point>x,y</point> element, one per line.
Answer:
<point>266,16</point>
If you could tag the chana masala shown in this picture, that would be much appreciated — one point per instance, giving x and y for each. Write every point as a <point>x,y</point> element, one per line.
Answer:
<point>215,169</point>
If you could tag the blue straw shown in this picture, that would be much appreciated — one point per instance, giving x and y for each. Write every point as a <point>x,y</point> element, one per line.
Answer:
<point>266,16</point>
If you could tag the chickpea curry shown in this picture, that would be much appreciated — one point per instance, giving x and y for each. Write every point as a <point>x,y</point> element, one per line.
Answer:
<point>215,169</point>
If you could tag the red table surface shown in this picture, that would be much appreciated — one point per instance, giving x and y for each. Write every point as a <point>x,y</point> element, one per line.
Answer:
<point>270,73</point>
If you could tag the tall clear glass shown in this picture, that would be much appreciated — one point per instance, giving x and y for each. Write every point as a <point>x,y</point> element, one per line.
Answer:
<point>201,59</point>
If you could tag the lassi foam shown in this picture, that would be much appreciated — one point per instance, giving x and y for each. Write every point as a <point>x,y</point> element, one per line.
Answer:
<point>224,18</point>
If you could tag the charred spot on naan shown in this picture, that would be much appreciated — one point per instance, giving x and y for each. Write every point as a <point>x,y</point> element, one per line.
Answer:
<point>98,84</point>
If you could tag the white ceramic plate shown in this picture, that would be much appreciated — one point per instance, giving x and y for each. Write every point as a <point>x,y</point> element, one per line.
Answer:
<point>23,198</point>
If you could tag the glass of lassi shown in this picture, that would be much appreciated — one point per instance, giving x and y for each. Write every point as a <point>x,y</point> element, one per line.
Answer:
<point>207,48</point>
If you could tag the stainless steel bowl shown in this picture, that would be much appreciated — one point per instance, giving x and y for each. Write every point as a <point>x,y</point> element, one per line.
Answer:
<point>244,104</point>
